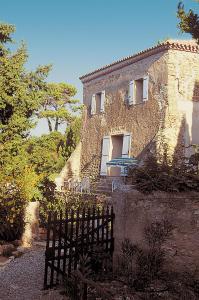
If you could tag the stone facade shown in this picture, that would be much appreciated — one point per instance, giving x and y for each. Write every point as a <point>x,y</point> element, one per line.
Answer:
<point>170,114</point>
<point>134,211</point>
<point>71,168</point>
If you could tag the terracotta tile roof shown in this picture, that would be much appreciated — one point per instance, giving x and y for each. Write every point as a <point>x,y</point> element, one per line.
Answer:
<point>181,45</point>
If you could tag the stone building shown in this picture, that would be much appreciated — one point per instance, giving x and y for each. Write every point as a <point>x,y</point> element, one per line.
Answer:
<point>146,100</point>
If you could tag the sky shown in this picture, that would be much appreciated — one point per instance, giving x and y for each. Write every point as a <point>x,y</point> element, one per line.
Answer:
<point>79,36</point>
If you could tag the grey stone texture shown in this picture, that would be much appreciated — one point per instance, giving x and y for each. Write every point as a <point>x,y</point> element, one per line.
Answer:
<point>171,114</point>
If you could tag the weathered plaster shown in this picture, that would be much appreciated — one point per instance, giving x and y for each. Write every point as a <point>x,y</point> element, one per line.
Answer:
<point>169,119</point>
<point>141,120</point>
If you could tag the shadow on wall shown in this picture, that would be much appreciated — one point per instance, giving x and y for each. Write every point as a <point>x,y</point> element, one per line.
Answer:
<point>189,130</point>
<point>160,99</point>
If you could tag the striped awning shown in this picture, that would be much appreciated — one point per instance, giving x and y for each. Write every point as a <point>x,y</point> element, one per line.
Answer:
<point>123,162</point>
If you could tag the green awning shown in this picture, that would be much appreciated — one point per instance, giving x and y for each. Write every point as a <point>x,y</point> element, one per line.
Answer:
<point>123,162</point>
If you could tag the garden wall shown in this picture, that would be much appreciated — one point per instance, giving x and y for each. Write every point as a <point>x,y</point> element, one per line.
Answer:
<point>135,210</point>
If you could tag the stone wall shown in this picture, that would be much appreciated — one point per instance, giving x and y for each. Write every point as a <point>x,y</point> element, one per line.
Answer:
<point>135,210</point>
<point>182,114</point>
<point>71,168</point>
<point>142,120</point>
<point>169,118</point>
<point>31,230</point>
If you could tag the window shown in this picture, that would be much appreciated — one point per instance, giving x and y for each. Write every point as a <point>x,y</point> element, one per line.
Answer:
<point>97,103</point>
<point>98,98</point>
<point>138,91</point>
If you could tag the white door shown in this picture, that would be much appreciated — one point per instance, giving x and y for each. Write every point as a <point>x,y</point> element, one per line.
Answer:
<point>105,155</point>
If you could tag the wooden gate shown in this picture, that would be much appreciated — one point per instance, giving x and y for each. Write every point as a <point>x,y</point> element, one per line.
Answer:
<point>72,234</point>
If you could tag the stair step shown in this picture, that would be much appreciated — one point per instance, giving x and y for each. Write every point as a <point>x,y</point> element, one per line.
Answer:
<point>104,185</point>
<point>102,193</point>
<point>103,190</point>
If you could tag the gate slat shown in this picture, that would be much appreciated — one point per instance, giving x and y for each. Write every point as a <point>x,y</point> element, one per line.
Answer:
<point>107,227</point>
<point>65,241</point>
<point>47,247</point>
<point>102,229</point>
<point>53,247</point>
<point>76,239</point>
<point>70,261</point>
<point>59,245</point>
<point>112,240</point>
<point>98,224</point>
<point>82,232</point>
<point>88,228</point>
<point>93,226</point>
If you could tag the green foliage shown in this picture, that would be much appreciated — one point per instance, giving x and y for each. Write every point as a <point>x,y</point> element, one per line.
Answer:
<point>162,176</point>
<point>20,97</point>
<point>5,32</point>
<point>189,22</point>
<point>139,266</point>
<point>59,105</point>
<point>50,201</point>
<point>72,136</point>
<point>11,213</point>
<point>126,260</point>
<point>15,192</point>
<point>28,163</point>
<point>157,233</point>
<point>52,160</point>
<point>83,279</point>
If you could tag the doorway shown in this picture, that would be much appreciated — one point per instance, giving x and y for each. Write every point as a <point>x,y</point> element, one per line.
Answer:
<point>116,151</point>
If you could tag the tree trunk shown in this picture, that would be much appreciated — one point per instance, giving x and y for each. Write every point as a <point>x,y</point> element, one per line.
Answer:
<point>49,125</point>
<point>56,124</point>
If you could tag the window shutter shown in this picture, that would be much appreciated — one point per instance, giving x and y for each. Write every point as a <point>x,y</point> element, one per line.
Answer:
<point>105,155</point>
<point>145,88</point>
<point>103,97</point>
<point>131,93</point>
<point>125,150</point>
<point>126,145</point>
<point>93,105</point>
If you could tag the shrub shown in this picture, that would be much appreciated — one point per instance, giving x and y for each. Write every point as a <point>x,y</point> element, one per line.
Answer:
<point>157,233</point>
<point>15,193</point>
<point>163,176</point>
<point>141,265</point>
<point>12,208</point>
<point>54,201</point>
<point>149,266</point>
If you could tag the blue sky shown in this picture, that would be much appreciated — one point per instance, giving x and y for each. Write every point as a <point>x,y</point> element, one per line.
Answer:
<point>78,36</point>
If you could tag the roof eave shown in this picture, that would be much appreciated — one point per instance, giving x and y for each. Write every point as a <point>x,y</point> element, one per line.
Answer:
<point>139,56</point>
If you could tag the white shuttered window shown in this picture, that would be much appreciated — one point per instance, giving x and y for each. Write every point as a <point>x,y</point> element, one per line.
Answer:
<point>102,102</point>
<point>145,88</point>
<point>131,93</point>
<point>105,155</point>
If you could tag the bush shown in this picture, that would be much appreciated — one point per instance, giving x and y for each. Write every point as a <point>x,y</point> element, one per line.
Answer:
<point>54,201</point>
<point>141,265</point>
<point>162,176</point>
<point>149,266</point>
<point>12,208</point>
<point>15,193</point>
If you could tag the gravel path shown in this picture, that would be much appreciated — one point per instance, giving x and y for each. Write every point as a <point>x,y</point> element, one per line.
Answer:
<point>22,278</point>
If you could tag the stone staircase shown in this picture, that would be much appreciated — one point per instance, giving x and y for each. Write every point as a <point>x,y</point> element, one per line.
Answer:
<point>104,185</point>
